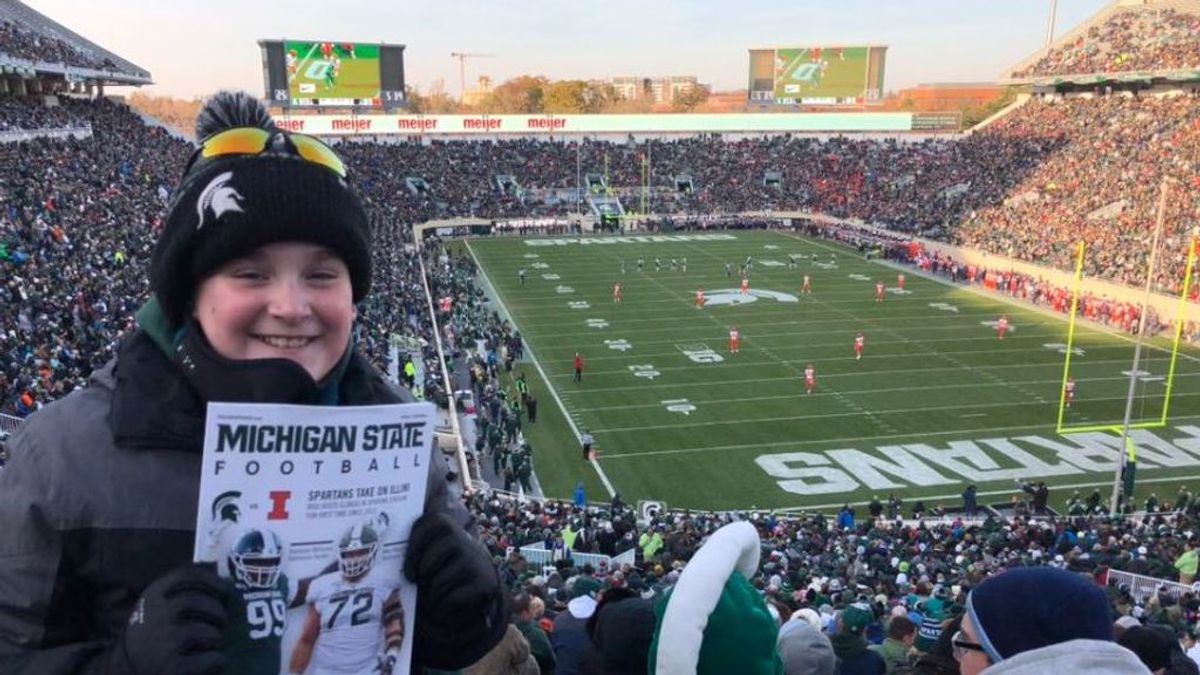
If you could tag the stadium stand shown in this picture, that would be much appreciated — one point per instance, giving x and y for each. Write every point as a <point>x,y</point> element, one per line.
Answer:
<point>30,35</point>
<point>1160,36</point>
<point>1009,185</point>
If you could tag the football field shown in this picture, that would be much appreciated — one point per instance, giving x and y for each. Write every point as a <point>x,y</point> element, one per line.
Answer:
<point>936,402</point>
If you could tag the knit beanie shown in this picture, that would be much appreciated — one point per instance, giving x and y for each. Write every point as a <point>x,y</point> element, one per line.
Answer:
<point>713,622</point>
<point>1152,644</point>
<point>621,631</point>
<point>1033,607</point>
<point>227,206</point>
<point>805,650</point>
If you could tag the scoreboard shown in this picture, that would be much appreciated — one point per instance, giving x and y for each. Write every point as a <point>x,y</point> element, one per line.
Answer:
<point>835,75</point>
<point>332,73</point>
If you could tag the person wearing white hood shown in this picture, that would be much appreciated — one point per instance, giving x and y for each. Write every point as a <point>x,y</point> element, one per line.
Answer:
<point>1040,620</point>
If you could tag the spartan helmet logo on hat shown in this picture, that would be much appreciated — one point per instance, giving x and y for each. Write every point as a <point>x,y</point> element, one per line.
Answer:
<point>219,197</point>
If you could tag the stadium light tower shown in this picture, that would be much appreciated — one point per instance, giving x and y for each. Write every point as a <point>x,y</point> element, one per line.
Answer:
<point>1127,454</point>
<point>1050,23</point>
<point>462,69</point>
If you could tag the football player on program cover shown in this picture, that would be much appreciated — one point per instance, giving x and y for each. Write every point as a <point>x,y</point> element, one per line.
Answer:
<point>858,346</point>
<point>355,621</point>
<point>254,564</point>
<point>734,340</point>
<point>326,50</point>
<point>293,63</point>
<point>810,378</point>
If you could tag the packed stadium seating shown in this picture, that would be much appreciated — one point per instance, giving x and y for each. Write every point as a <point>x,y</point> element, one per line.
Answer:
<point>1148,38</point>
<point>823,565</point>
<point>29,35</point>
<point>1076,168</point>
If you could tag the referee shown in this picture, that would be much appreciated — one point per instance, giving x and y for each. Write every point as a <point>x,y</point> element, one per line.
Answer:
<point>586,441</point>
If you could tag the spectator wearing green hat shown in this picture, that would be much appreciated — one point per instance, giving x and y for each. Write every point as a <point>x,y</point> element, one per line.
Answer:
<point>850,646</point>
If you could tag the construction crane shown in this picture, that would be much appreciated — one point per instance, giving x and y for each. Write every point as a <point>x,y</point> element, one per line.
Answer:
<point>462,69</point>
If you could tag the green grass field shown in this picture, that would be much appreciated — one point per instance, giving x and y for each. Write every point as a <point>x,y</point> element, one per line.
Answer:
<point>937,401</point>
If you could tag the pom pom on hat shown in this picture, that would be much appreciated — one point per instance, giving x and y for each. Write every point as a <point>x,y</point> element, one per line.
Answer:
<point>228,205</point>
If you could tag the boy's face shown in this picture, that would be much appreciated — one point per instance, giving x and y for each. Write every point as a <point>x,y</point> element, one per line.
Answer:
<point>286,300</point>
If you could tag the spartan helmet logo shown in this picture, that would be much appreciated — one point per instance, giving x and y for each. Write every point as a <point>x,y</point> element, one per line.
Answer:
<point>219,197</point>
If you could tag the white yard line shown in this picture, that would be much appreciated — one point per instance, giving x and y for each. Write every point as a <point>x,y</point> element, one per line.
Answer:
<point>1098,327</point>
<point>800,395</point>
<point>571,336</point>
<point>537,364</point>
<point>992,431</point>
<point>839,375</point>
<point>860,412</point>
<point>810,347</point>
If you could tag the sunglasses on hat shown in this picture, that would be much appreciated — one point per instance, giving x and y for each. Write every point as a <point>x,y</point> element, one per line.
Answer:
<point>256,141</point>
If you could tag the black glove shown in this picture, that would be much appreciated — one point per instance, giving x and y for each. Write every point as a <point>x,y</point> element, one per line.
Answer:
<point>461,610</point>
<point>176,625</point>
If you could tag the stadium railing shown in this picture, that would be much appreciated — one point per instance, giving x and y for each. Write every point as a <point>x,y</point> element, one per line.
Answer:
<point>538,554</point>
<point>460,452</point>
<point>9,425</point>
<point>1142,587</point>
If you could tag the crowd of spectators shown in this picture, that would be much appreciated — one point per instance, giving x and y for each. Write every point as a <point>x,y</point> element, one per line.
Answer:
<point>1101,186</point>
<point>915,575</point>
<point>1077,168</point>
<point>1146,39</point>
<point>79,216</point>
<point>23,42</point>
<point>22,114</point>
<point>77,222</point>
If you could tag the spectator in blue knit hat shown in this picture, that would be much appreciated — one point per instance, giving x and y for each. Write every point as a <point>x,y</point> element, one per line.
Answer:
<point>1039,620</point>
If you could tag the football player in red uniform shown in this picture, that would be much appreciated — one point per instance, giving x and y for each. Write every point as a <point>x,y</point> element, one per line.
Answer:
<point>1002,326</point>
<point>858,346</point>
<point>734,340</point>
<point>810,378</point>
<point>878,291</point>
<point>806,287</point>
<point>900,281</point>
<point>617,293</point>
<point>1070,391</point>
<point>745,285</point>
<point>700,299</point>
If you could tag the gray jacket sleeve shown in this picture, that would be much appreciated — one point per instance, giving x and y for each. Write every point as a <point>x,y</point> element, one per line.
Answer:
<point>34,552</point>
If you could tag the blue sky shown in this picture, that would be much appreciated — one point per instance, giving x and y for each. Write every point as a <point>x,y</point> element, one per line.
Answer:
<point>195,48</point>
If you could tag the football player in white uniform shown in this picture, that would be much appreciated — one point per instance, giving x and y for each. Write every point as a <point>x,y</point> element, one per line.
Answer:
<point>355,623</point>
